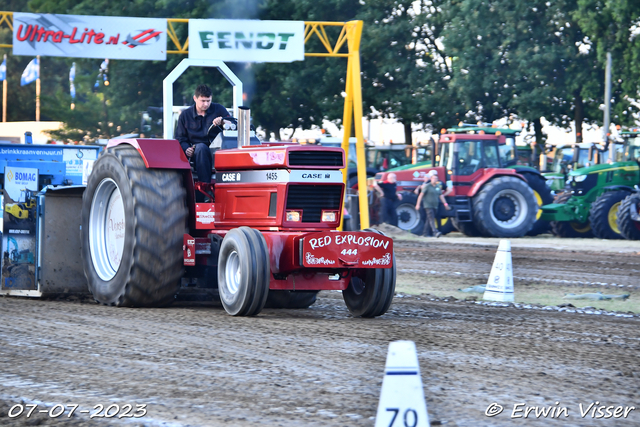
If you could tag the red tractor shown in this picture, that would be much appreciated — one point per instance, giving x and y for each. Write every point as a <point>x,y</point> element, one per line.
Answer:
<point>268,230</point>
<point>487,198</point>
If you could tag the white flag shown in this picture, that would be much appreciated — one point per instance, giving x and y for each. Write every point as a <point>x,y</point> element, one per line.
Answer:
<point>31,73</point>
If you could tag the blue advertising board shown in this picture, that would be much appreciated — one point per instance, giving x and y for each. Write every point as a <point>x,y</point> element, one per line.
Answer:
<point>56,164</point>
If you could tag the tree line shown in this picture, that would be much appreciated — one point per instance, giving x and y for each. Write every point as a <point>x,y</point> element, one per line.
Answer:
<point>432,63</point>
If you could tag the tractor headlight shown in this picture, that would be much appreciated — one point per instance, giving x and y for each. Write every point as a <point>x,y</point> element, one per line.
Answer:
<point>579,178</point>
<point>329,216</point>
<point>293,216</point>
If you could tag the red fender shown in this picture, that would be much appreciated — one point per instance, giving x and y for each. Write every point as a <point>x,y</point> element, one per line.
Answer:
<point>157,153</point>
<point>488,175</point>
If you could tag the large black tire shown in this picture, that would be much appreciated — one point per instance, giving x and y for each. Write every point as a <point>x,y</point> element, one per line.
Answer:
<point>629,229</point>
<point>543,197</point>
<point>445,225</point>
<point>243,272</point>
<point>603,214</point>
<point>290,299</point>
<point>505,207</point>
<point>570,228</point>
<point>133,223</point>
<point>467,228</point>
<point>371,290</point>
<point>410,219</point>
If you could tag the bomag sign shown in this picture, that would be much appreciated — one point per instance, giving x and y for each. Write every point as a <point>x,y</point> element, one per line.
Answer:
<point>246,40</point>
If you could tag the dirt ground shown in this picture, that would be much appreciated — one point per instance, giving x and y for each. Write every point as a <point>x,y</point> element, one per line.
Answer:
<point>193,365</point>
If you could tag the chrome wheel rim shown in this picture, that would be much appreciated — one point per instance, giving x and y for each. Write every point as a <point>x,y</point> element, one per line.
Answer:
<point>107,229</point>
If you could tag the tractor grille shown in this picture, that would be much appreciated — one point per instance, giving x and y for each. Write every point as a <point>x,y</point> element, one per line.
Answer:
<point>315,158</point>
<point>313,199</point>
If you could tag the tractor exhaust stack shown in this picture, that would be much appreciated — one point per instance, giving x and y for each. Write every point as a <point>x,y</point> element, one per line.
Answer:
<point>244,126</point>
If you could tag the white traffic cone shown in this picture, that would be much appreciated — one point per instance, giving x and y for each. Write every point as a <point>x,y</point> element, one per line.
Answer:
<point>500,283</point>
<point>402,398</point>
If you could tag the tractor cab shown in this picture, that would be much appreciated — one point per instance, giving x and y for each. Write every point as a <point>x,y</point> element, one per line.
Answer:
<point>631,146</point>
<point>466,158</point>
<point>510,154</point>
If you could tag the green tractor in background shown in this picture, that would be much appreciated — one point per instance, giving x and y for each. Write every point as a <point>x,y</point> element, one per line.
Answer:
<point>589,205</point>
<point>628,216</point>
<point>567,157</point>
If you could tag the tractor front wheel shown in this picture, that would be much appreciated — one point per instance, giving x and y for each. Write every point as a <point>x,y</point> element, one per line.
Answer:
<point>629,229</point>
<point>603,214</point>
<point>133,223</point>
<point>371,290</point>
<point>243,272</point>
<point>505,207</point>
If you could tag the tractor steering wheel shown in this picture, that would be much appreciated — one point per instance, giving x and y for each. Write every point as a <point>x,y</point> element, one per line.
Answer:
<point>228,122</point>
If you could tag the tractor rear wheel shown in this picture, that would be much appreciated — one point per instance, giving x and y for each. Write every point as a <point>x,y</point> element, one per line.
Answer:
<point>603,214</point>
<point>569,228</point>
<point>133,223</point>
<point>543,197</point>
<point>505,207</point>
<point>290,299</point>
<point>243,272</point>
<point>371,290</point>
<point>629,229</point>
<point>410,219</point>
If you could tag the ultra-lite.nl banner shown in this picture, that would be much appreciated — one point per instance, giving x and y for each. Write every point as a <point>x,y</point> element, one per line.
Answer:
<point>242,40</point>
<point>83,36</point>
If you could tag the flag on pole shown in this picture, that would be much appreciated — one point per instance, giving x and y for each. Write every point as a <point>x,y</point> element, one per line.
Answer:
<point>3,69</point>
<point>31,73</point>
<point>104,68</point>
<point>72,76</point>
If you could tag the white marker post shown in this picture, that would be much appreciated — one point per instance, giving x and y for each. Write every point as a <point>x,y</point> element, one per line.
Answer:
<point>402,401</point>
<point>500,282</point>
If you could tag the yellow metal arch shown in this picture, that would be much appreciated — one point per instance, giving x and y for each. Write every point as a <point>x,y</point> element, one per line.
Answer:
<point>320,42</point>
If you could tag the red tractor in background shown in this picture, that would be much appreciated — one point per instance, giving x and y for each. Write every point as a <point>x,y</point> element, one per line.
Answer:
<point>268,229</point>
<point>487,198</point>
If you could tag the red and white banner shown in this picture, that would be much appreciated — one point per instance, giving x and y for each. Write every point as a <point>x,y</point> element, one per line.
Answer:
<point>80,36</point>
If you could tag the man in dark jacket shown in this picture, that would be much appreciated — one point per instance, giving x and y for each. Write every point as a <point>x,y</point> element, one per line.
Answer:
<point>193,127</point>
<point>389,198</point>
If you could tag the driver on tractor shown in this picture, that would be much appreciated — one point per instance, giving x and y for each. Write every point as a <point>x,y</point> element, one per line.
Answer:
<point>193,130</point>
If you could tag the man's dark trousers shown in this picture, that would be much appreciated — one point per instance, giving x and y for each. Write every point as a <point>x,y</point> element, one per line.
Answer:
<point>203,160</point>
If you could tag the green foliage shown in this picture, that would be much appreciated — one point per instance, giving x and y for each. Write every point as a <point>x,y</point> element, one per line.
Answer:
<point>404,70</point>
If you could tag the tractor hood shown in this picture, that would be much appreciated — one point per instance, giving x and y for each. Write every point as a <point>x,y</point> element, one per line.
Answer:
<point>603,168</point>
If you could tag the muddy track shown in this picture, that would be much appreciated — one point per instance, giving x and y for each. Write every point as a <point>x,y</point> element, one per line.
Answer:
<point>192,364</point>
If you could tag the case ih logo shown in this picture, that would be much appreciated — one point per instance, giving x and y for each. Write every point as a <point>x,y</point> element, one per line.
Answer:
<point>142,37</point>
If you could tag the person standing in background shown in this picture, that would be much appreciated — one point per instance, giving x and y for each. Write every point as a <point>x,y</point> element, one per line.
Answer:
<point>389,197</point>
<point>430,196</point>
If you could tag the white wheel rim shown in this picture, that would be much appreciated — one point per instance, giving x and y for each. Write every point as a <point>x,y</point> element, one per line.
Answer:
<point>520,211</point>
<point>232,273</point>
<point>107,229</point>
<point>414,218</point>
